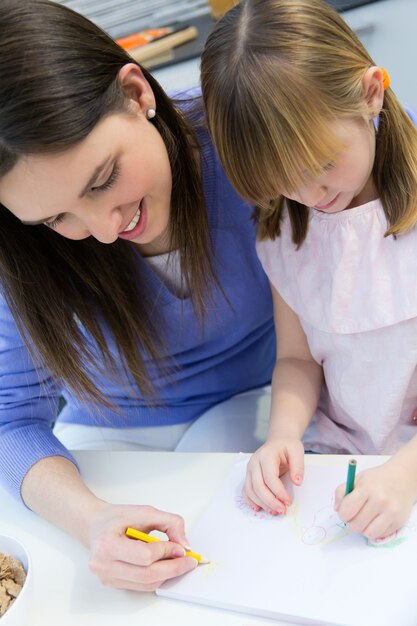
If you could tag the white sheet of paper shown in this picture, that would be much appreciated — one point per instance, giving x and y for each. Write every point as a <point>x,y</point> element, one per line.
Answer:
<point>305,567</point>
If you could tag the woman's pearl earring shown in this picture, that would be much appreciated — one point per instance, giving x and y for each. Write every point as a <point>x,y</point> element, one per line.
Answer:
<point>150,113</point>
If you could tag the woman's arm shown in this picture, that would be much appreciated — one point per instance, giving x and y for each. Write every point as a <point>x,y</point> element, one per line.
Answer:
<point>37,467</point>
<point>53,488</point>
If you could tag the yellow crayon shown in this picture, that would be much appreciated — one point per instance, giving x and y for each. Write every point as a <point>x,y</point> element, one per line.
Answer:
<point>138,534</point>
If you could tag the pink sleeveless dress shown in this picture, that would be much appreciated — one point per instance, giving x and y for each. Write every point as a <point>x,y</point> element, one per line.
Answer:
<point>355,293</point>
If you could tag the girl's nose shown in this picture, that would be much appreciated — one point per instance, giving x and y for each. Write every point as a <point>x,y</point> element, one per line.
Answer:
<point>312,195</point>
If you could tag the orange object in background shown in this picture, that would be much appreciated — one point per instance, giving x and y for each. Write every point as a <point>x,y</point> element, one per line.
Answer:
<point>163,45</point>
<point>143,37</point>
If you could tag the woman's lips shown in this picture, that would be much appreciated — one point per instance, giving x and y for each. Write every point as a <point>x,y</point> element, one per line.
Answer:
<point>137,224</point>
<point>133,221</point>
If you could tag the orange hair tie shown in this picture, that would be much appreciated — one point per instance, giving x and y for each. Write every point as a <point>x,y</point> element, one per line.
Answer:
<point>386,81</point>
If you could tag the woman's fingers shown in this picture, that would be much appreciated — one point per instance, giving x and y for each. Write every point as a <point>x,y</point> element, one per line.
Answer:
<point>145,578</point>
<point>169,523</point>
<point>142,565</point>
<point>140,553</point>
<point>122,562</point>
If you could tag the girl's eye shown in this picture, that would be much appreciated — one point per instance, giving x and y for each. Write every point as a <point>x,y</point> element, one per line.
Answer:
<point>329,166</point>
<point>54,223</point>
<point>110,181</point>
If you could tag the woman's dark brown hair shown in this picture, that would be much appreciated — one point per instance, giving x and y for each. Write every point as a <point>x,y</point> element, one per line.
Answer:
<point>58,79</point>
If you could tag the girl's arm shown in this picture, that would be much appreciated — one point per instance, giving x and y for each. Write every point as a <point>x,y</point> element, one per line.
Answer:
<point>297,378</point>
<point>53,488</point>
<point>296,386</point>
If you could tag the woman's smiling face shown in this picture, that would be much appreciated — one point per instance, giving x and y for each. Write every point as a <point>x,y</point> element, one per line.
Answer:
<point>115,183</point>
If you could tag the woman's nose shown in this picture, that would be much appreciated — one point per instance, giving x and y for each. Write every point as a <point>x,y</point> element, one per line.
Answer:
<point>103,225</point>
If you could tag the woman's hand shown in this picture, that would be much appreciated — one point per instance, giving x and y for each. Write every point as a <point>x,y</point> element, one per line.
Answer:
<point>54,489</point>
<point>381,501</point>
<point>263,489</point>
<point>129,564</point>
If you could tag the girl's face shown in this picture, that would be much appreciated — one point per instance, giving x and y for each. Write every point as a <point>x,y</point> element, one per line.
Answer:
<point>347,181</point>
<point>116,183</point>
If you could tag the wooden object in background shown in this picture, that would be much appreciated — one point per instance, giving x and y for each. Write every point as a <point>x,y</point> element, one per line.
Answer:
<point>164,45</point>
<point>219,7</point>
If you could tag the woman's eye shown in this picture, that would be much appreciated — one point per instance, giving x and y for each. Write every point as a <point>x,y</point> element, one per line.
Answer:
<point>54,223</point>
<point>110,181</point>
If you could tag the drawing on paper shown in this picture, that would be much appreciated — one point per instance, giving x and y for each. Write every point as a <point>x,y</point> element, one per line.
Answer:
<point>241,504</point>
<point>324,528</point>
<point>327,528</point>
<point>212,569</point>
<point>256,553</point>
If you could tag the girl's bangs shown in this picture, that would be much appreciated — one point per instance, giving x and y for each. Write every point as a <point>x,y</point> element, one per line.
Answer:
<point>289,159</point>
<point>303,156</point>
<point>272,139</point>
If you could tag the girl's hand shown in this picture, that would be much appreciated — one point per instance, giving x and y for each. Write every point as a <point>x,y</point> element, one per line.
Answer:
<point>381,501</point>
<point>129,564</point>
<point>263,488</point>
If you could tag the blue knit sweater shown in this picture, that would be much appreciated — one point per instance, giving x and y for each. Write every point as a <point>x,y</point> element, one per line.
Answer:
<point>234,352</point>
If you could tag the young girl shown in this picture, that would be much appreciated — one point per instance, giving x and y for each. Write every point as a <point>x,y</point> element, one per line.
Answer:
<point>307,127</point>
<point>130,283</point>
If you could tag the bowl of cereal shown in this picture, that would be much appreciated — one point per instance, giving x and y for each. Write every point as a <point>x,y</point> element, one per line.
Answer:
<point>15,582</point>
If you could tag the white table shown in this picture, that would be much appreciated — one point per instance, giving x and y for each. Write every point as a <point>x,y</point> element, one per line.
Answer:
<point>66,593</point>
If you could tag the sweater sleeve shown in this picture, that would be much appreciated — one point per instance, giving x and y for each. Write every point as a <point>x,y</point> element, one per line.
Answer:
<point>28,407</point>
<point>412,114</point>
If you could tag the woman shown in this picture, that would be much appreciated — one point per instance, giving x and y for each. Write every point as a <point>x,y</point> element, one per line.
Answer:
<point>130,280</point>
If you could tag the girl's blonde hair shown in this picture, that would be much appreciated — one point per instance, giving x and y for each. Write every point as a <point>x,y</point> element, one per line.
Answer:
<point>274,73</point>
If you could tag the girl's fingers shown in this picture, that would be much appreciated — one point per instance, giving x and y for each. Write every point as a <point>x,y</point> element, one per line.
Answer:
<point>267,498</point>
<point>380,528</point>
<point>339,495</point>
<point>350,506</point>
<point>270,473</point>
<point>358,513</point>
<point>250,503</point>
<point>251,495</point>
<point>296,463</point>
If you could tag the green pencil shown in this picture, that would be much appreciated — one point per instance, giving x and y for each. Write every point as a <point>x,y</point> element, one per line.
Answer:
<point>350,481</point>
